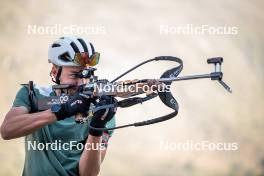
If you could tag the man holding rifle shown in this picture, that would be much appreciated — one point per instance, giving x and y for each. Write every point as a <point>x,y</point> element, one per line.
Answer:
<point>68,55</point>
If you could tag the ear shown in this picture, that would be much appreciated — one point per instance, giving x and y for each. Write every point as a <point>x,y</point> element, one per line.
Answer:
<point>54,71</point>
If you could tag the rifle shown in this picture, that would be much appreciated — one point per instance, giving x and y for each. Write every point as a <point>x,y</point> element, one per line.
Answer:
<point>96,88</point>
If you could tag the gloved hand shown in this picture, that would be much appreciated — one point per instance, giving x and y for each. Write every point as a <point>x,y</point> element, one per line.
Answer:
<point>79,103</point>
<point>101,117</point>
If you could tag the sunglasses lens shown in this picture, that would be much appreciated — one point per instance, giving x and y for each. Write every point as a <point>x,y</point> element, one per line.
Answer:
<point>94,60</point>
<point>83,59</point>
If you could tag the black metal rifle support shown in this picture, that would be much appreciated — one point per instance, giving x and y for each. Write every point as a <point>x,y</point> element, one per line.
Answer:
<point>217,74</point>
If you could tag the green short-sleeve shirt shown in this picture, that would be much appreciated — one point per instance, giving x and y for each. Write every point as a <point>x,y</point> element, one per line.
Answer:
<point>54,149</point>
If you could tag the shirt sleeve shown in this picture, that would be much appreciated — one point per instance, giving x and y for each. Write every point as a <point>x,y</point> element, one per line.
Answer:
<point>22,99</point>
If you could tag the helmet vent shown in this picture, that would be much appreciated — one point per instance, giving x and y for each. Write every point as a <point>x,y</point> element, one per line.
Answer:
<point>55,45</point>
<point>92,48</point>
<point>83,44</point>
<point>74,47</point>
<point>65,57</point>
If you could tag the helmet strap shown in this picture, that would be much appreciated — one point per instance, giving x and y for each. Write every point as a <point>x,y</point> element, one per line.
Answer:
<point>57,79</point>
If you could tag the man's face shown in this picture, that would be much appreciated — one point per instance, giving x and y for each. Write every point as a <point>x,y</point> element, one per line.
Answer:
<point>68,77</point>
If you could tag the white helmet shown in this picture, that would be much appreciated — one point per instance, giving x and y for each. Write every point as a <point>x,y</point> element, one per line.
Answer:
<point>62,51</point>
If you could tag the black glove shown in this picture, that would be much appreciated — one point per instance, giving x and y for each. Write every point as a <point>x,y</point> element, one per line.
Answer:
<point>101,117</point>
<point>79,103</point>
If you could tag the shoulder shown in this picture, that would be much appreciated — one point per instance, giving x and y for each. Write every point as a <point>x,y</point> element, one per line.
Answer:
<point>22,96</point>
<point>41,90</point>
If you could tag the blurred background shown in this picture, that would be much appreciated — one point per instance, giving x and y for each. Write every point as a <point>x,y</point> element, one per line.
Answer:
<point>128,32</point>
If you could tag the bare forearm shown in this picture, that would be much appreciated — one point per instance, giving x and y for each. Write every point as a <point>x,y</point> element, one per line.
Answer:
<point>24,124</point>
<point>90,160</point>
